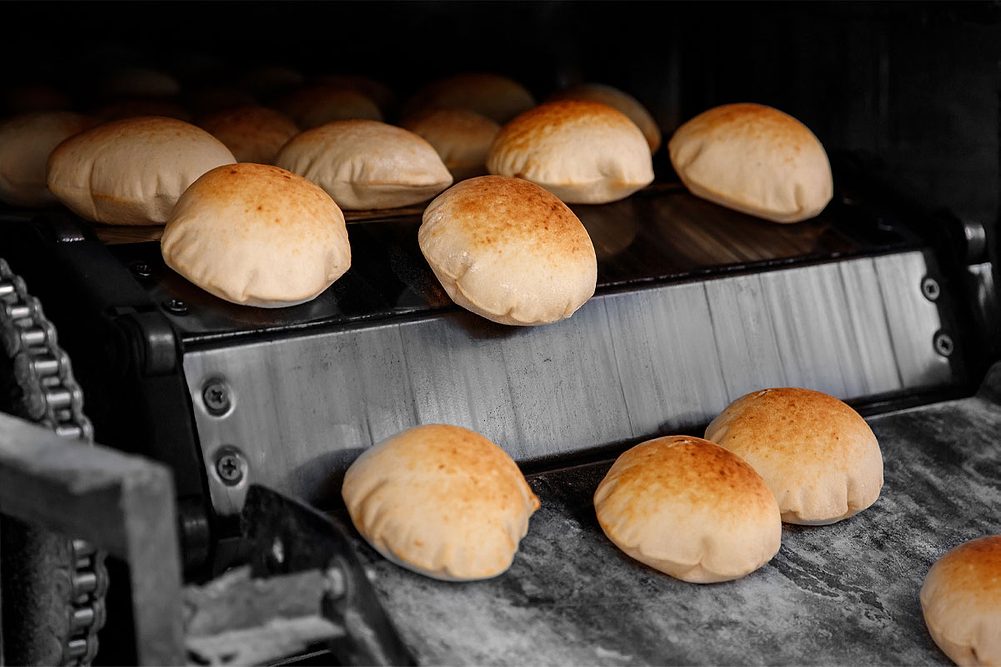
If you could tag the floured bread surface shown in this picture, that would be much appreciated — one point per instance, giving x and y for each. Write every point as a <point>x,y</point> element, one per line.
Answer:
<point>442,501</point>
<point>818,456</point>
<point>754,159</point>
<point>509,251</point>
<point>320,103</point>
<point>365,164</point>
<point>583,152</point>
<point>617,99</point>
<point>690,509</point>
<point>461,137</point>
<point>132,172</point>
<point>496,97</point>
<point>25,144</point>
<point>252,133</point>
<point>961,602</point>
<point>257,235</point>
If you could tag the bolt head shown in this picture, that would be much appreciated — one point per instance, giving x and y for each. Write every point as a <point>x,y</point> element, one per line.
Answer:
<point>142,270</point>
<point>216,397</point>
<point>176,307</point>
<point>930,288</point>
<point>230,466</point>
<point>944,345</point>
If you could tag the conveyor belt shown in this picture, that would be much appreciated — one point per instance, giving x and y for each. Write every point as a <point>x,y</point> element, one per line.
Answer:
<point>662,233</point>
<point>840,594</point>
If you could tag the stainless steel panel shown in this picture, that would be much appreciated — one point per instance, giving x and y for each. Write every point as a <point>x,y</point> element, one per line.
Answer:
<point>627,365</point>
<point>745,336</point>
<point>908,314</point>
<point>666,357</point>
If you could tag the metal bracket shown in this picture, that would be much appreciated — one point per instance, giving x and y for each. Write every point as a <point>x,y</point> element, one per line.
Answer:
<point>121,504</point>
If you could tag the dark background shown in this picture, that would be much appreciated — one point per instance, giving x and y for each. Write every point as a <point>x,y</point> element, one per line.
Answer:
<point>914,84</point>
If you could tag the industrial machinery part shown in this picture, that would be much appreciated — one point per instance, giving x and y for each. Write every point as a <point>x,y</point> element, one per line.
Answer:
<point>53,587</point>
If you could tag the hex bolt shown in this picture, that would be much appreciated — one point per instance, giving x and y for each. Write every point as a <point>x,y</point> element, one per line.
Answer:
<point>176,307</point>
<point>943,344</point>
<point>230,466</point>
<point>930,288</point>
<point>142,270</point>
<point>216,397</point>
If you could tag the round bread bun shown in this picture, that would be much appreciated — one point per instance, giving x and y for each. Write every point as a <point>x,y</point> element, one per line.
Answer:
<point>615,98</point>
<point>139,82</point>
<point>136,107</point>
<point>753,159</point>
<point>818,456</point>
<point>461,137</point>
<point>268,80</point>
<point>376,91</point>
<point>365,164</point>
<point>257,235</point>
<point>318,104</point>
<point>509,251</point>
<point>442,501</point>
<point>30,97</point>
<point>496,97</point>
<point>216,99</point>
<point>961,602</point>
<point>253,134</point>
<point>690,509</point>
<point>132,171</point>
<point>583,152</point>
<point>25,144</point>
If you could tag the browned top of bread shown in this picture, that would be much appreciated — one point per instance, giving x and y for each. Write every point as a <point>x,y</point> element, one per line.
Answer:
<point>491,95</point>
<point>319,103</point>
<point>794,422</point>
<point>973,570</point>
<point>528,128</point>
<point>689,470</point>
<point>441,500</point>
<point>253,134</point>
<point>617,99</point>
<point>819,457</point>
<point>756,121</point>
<point>496,210</point>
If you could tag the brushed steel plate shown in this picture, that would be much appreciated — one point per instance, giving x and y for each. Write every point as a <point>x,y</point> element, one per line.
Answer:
<point>627,365</point>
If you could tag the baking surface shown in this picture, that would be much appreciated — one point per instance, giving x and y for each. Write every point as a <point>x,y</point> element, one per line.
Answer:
<point>660,233</point>
<point>846,593</point>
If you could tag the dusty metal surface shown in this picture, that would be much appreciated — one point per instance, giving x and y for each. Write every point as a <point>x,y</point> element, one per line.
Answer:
<point>627,365</point>
<point>841,594</point>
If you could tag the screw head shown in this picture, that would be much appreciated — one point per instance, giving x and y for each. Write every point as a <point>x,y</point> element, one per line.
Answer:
<point>216,397</point>
<point>230,467</point>
<point>142,270</point>
<point>176,307</point>
<point>943,344</point>
<point>930,288</point>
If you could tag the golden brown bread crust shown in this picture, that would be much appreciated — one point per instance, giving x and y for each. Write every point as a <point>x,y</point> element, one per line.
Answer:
<point>26,141</point>
<point>376,91</point>
<point>132,171</point>
<point>440,500</point>
<point>689,508</point>
<point>253,134</point>
<point>496,97</point>
<point>616,99</point>
<point>961,602</point>
<point>365,164</point>
<point>819,457</point>
<point>508,250</point>
<point>461,137</point>
<point>257,235</point>
<point>754,159</point>
<point>583,152</point>
<point>137,107</point>
<point>321,103</point>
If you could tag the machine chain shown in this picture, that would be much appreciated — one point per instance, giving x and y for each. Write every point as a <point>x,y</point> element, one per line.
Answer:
<point>52,397</point>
